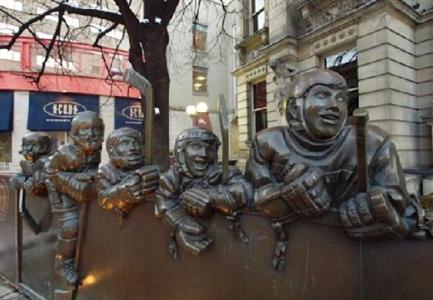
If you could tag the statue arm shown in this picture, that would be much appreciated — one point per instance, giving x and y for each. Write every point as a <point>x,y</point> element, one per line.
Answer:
<point>167,195</point>
<point>18,180</point>
<point>233,196</point>
<point>78,186</point>
<point>184,228</point>
<point>109,192</point>
<point>257,169</point>
<point>386,210</point>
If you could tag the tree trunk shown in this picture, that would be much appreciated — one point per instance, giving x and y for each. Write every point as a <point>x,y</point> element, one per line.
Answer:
<point>155,42</point>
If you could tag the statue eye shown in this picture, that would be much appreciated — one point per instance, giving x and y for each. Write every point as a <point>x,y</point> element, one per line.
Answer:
<point>321,94</point>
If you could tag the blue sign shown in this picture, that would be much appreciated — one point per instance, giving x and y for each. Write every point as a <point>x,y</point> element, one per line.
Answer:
<point>128,113</point>
<point>6,110</point>
<point>54,111</point>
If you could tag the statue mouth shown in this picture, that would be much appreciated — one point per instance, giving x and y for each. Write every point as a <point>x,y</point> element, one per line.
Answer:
<point>200,164</point>
<point>134,158</point>
<point>329,117</point>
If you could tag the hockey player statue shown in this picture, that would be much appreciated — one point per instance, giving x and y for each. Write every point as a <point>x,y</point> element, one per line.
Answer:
<point>310,169</point>
<point>71,174</point>
<point>126,180</point>
<point>35,148</point>
<point>192,188</point>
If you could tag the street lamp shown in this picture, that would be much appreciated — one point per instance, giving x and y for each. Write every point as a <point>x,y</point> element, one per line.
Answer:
<point>202,107</point>
<point>191,110</point>
<point>200,115</point>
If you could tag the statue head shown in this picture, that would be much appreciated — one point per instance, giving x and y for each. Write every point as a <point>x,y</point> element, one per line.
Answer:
<point>196,149</point>
<point>87,131</point>
<point>34,145</point>
<point>317,104</point>
<point>125,148</point>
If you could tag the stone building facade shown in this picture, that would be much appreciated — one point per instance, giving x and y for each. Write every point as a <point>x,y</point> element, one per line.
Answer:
<point>392,46</point>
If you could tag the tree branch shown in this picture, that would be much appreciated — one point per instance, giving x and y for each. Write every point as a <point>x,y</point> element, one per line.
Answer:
<point>51,45</point>
<point>90,12</point>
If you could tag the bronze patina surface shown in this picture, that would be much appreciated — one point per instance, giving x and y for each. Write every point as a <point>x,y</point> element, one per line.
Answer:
<point>71,174</point>
<point>310,168</point>
<point>192,188</point>
<point>126,180</point>
<point>35,148</point>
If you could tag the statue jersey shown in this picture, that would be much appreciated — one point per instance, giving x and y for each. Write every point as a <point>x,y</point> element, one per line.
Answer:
<point>275,150</point>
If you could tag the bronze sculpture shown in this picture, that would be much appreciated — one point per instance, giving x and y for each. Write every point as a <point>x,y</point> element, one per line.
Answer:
<point>192,188</point>
<point>70,181</point>
<point>309,169</point>
<point>35,148</point>
<point>126,179</point>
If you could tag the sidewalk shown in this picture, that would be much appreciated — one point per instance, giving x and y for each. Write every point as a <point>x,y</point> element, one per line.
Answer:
<point>8,292</point>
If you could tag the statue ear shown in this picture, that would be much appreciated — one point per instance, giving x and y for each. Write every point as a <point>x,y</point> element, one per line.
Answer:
<point>180,156</point>
<point>291,109</point>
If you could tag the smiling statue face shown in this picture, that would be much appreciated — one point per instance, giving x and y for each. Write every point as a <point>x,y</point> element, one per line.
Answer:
<point>325,111</point>
<point>199,155</point>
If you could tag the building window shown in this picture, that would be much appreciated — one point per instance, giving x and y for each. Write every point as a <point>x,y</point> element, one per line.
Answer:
<point>10,55</point>
<point>73,22</point>
<point>199,32</point>
<point>259,113</point>
<point>346,64</point>
<point>12,4</point>
<point>257,15</point>
<point>199,80</point>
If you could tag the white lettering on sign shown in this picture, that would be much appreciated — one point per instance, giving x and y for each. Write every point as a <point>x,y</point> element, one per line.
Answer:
<point>133,112</point>
<point>63,109</point>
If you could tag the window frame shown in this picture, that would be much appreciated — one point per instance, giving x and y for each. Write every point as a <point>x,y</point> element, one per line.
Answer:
<point>202,29</point>
<point>254,15</point>
<point>202,70</point>
<point>253,110</point>
<point>339,54</point>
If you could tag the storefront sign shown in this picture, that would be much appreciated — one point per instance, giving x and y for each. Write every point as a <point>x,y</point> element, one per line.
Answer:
<point>6,110</point>
<point>54,111</point>
<point>128,113</point>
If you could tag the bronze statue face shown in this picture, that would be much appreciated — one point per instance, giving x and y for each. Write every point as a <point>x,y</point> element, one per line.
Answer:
<point>89,137</point>
<point>325,111</point>
<point>34,145</point>
<point>199,155</point>
<point>130,150</point>
<point>87,131</point>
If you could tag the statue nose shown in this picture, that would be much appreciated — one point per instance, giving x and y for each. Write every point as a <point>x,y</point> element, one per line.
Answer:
<point>333,107</point>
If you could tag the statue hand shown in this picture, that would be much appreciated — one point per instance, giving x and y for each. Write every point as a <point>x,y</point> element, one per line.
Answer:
<point>28,184</point>
<point>191,235</point>
<point>18,181</point>
<point>305,192</point>
<point>196,202</point>
<point>149,178</point>
<point>130,188</point>
<point>369,216</point>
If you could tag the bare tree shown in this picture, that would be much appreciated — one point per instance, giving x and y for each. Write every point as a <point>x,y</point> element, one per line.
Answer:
<point>146,33</point>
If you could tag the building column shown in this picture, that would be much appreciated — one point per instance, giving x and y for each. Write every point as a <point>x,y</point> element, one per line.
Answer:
<point>106,112</point>
<point>21,111</point>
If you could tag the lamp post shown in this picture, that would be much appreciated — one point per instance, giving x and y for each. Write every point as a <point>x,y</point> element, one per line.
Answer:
<point>200,115</point>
